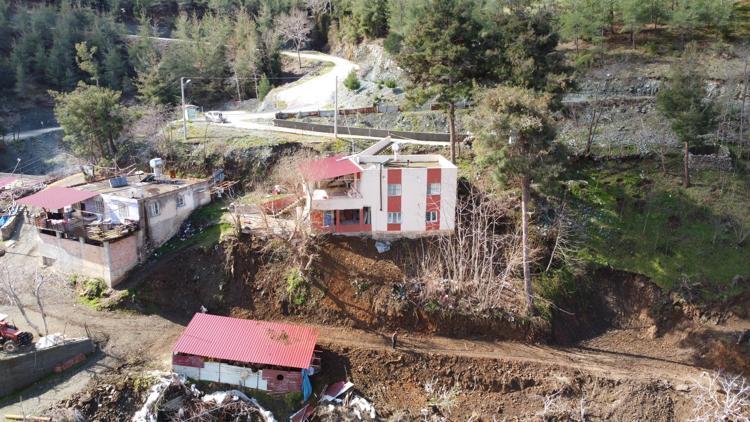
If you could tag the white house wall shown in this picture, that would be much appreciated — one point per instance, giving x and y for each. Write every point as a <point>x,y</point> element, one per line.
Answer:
<point>413,199</point>
<point>448,194</point>
<point>224,373</point>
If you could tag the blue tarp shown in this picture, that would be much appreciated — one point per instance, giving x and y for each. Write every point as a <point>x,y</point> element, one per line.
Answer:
<point>306,385</point>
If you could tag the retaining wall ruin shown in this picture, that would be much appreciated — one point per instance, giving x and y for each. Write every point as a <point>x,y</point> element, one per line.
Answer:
<point>21,370</point>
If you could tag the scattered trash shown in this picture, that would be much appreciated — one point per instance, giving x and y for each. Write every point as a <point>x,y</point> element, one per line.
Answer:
<point>222,398</point>
<point>148,413</point>
<point>339,402</point>
<point>383,246</point>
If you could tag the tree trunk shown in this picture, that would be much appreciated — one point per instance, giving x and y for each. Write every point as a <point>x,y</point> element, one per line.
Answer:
<point>745,82</point>
<point>452,130</point>
<point>686,167</point>
<point>299,58</point>
<point>525,188</point>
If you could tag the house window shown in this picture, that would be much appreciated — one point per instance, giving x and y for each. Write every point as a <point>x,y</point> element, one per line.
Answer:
<point>432,216</point>
<point>394,218</point>
<point>394,189</point>
<point>433,189</point>
<point>180,200</point>
<point>154,208</point>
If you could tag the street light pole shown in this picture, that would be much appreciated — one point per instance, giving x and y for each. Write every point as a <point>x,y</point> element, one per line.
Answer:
<point>184,111</point>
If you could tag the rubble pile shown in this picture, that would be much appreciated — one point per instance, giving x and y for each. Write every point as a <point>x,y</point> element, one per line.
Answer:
<point>339,402</point>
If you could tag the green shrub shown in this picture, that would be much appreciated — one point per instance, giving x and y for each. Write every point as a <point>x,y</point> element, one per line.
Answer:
<point>351,81</point>
<point>392,43</point>
<point>293,400</point>
<point>264,87</point>
<point>297,288</point>
<point>585,60</point>
<point>94,288</point>
<point>390,83</point>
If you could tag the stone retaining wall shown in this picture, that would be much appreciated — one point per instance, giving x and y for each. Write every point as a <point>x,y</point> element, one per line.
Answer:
<point>21,370</point>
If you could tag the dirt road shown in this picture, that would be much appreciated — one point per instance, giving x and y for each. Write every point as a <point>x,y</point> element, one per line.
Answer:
<point>611,364</point>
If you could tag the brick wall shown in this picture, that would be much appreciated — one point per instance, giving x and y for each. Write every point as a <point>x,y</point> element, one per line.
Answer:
<point>290,382</point>
<point>123,255</point>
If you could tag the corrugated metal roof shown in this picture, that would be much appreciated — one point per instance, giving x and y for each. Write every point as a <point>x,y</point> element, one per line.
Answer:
<point>4,181</point>
<point>56,197</point>
<point>328,168</point>
<point>249,341</point>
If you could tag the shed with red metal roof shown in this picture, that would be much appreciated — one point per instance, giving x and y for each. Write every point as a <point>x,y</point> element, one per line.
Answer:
<point>265,355</point>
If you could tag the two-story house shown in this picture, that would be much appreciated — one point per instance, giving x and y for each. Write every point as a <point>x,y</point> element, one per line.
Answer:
<point>383,196</point>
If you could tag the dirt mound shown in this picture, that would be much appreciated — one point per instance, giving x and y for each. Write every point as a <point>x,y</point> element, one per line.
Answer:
<point>408,386</point>
<point>613,299</point>
<point>352,285</point>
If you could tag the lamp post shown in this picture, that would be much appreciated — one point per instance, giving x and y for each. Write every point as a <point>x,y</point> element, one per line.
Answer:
<point>183,82</point>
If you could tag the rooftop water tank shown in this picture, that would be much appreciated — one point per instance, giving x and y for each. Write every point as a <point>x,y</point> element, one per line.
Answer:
<point>158,165</point>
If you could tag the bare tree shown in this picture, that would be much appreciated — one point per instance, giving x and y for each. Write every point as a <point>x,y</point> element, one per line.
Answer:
<point>721,397</point>
<point>743,108</point>
<point>318,7</point>
<point>295,27</point>
<point>10,289</point>
<point>474,268</point>
<point>39,281</point>
<point>596,109</point>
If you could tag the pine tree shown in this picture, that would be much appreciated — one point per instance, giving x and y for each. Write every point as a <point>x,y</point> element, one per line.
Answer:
<point>114,69</point>
<point>92,120</point>
<point>685,102</point>
<point>442,57</point>
<point>515,139</point>
<point>264,88</point>
<point>583,20</point>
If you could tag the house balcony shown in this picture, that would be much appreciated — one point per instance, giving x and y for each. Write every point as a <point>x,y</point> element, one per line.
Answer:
<point>337,199</point>
<point>90,228</point>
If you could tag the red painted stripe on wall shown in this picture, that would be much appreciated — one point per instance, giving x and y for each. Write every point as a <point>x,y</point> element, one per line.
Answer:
<point>394,176</point>
<point>434,175</point>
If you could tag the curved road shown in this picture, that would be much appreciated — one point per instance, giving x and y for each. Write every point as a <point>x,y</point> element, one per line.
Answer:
<point>316,92</point>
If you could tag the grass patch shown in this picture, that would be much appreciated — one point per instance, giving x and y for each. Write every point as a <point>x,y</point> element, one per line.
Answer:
<point>211,228</point>
<point>635,218</point>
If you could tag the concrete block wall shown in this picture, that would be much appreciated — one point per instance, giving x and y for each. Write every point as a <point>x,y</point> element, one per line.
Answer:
<point>20,371</point>
<point>110,262</point>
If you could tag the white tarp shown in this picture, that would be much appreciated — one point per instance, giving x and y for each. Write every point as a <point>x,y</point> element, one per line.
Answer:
<point>49,341</point>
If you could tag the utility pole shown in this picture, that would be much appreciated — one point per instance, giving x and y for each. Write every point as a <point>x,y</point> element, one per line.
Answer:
<point>183,82</point>
<point>335,107</point>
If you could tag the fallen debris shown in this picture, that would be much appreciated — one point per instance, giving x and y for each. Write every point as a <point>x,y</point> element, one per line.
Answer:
<point>339,402</point>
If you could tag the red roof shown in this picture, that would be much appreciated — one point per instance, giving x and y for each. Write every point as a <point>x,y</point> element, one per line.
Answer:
<point>5,181</point>
<point>249,341</point>
<point>328,168</point>
<point>57,197</point>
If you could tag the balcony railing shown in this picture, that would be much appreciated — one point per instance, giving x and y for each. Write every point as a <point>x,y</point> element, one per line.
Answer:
<point>336,193</point>
<point>78,227</point>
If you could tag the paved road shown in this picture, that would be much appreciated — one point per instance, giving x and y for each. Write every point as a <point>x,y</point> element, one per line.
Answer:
<point>317,92</point>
